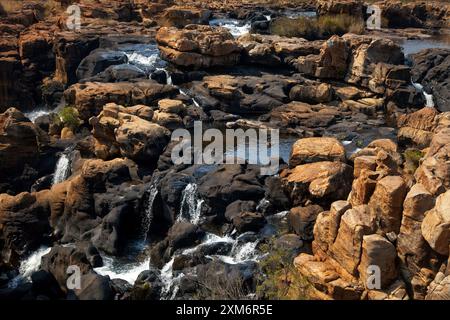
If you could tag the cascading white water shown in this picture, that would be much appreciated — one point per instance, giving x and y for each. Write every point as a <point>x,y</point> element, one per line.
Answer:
<point>62,169</point>
<point>147,219</point>
<point>128,272</point>
<point>33,115</point>
<point>429,102</point>
<point>191,205</point>
<point>168,76</point>
<point>28,266</point>
<point>235,27</point>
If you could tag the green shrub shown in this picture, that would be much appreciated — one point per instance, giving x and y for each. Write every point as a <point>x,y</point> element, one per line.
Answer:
<point>70,118</point>
<point>320,28</point>
<point>279,279</point>
<point>412,160</point>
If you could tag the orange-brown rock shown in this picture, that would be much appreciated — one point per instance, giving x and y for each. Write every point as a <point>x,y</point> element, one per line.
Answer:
<point>309,150</point>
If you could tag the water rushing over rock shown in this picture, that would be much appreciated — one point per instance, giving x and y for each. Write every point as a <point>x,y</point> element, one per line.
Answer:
<point>28,266</point>
<point>429,102</point>
<point>237,28</point>
<point>191,205</point>
<point>125,271</point>
<point>62,170</point>
<point>148,214</point>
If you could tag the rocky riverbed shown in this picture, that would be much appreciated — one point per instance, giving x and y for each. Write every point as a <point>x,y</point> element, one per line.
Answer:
<point>87,180</point>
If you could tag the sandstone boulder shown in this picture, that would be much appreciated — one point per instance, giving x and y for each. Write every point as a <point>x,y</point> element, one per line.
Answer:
<point>323,181</point>
<point>316,149</point>
<point>198,46</point>
<point>436,225</point>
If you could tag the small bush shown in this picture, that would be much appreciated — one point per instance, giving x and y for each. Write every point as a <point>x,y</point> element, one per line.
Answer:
<point>412,160</point>
<point>321,28</point>
<point>279,279</point>
<point>70,118</point>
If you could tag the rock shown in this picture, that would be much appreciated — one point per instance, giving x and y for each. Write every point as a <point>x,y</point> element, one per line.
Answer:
<point>368,106</point>
<point>198,46</point>
<point>327,226</point>
<point>24,224</point>
<point>309,150</point>
<point>336,7</point>
<point>417,127</point>
<point>378,251</point>
<point>439,289</point>
<point>19,143</point>
<point>171,106</point>
<point>147,286</point>
<point>386,203</point>
<point>301,220</point>
<point>90,97</point>
<point>412,247</point>
<point>302,114</point>
<point>330,63</point>
<point>347,247</point>
<point>70,49</point>
<point>118,132</point>
<point>184,234</point>
<point>94,287</point>
<point>248,221</point>
<point>324,181</point>
<point>430,68</point>
<point>182,16</point>
<point>436,225</point>
<point>242,95</point>
<point>229,183</point>
<point>235,208</point>
<point>312,94</point>
<point>97,61</point>
<point>57,261</point>
<point>326,282</point>
<point>367,55</point>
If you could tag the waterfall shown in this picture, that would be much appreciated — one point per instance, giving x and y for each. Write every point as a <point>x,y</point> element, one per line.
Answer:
<point>191,205</point>
<point>28,266</point>
<point>235,26</point>
<point>428,97</point>
<point>168,76</point>
<point>128,272</point>
<point>62,169</point>
<point>147,219</point>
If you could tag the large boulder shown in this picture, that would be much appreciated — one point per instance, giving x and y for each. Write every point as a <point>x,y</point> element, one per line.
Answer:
<point>378,251</point>
<point>120,132</point>
<point>19,143</point>
<point>430,68</point>
<point>337,7</point>
<point>322,181</point>
<point>436,225</point>
<point>309,150</point>
<point>24,224</point>
<point>90,97</point>
<point>98,60</point>
<point>198,46</point>
<point>386,203</point>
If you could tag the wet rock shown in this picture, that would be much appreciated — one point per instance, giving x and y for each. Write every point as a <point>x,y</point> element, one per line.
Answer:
<point>147,286</point>
<point>93,287</point>
<point>430,68</point>
<point>248,221</point>
<point>184,234</point>
<point>417,127</point>
<point>97,61</point>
